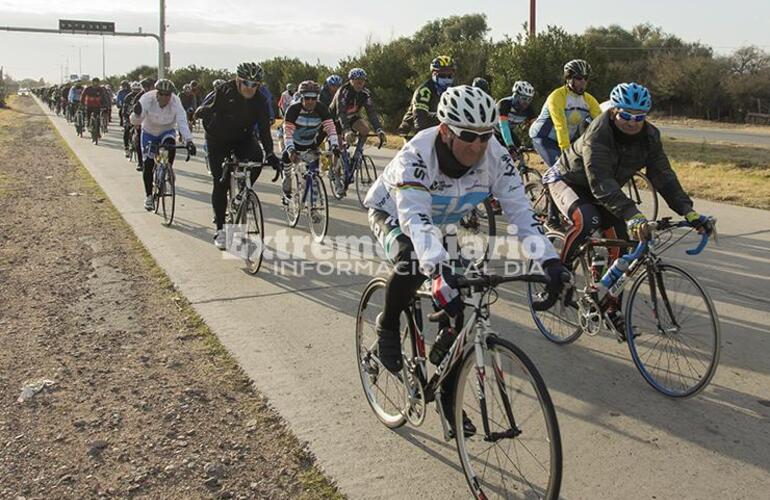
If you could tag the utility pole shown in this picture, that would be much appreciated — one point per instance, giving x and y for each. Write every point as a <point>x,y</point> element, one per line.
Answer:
<point>162,44</point>
<point>532,28</point>
<point>104,76</point>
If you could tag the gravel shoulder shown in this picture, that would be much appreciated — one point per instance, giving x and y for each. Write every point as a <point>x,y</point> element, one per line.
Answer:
<point>138,398</point>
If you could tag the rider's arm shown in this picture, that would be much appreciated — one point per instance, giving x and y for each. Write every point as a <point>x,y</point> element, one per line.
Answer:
<point>290,125</point>
<point>503,108</point>
<point>181,118</point>
<point>269,98</point>
<point>557,102</point>
<point>594,108</point>
<point>327,123</point>
<point>421,107</point>
<point>664,179</point>
<point>209,105</point>
<point>411,181</point>
<point>508,188</point>
<point>371,112</point>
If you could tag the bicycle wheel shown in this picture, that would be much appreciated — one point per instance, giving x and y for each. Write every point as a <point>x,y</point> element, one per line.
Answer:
<point>476,232</point>
<point>516,449</point>
<point>336,181</point>
<point>168,196</point>
<point>365,175</point>
<point>317,209</point>
<point>384,390</point>
<point>640,190</point>
<point>293,206</point>
<point>676,334</point>
<point>561,323</point>
<point>538,197</point>
<point>251,227</point>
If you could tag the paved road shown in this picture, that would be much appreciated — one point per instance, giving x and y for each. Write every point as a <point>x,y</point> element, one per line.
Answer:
<point>294,336</point>
<point>716,134</point>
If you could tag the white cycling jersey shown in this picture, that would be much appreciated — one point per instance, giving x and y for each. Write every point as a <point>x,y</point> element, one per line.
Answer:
<point>156,120</point>
<point>414,191</point>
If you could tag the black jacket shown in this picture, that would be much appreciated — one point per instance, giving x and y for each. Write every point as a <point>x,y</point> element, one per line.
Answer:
<point>597,160</point>
<point>229,118</point>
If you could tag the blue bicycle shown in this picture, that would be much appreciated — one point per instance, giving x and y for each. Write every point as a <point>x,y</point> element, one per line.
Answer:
<point>307,190</point>
<point>358,167</point>
<point>669,321</point>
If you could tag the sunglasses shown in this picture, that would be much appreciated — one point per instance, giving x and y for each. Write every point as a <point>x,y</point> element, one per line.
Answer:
<point>250,84</point>
<point>625,115</point>
<point>310,97</point>
<point>469,135</point>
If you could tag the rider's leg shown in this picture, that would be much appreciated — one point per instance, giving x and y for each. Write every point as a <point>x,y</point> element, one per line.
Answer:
<point>362,129</point>
<point>249,150</point>
<point>219,189</point>
<point>402,284</point>
<point>148,143</point>
<point>579,207</point>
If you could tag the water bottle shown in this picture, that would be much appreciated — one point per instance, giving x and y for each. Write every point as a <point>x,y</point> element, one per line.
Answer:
<point>443,342</point>
<point>613,279</point>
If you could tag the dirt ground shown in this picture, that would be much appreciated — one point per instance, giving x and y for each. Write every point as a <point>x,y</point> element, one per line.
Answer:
<point>144,401</point>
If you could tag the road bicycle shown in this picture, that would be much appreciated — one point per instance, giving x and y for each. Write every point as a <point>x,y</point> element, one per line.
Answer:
<point>80,120</point>
<point>489,395</point>
<point>309,191</point>
<point>246,225</point>
<point>358,167</point>
<point>164,182</point>
<point>94,126</point>
<point>669,321</point>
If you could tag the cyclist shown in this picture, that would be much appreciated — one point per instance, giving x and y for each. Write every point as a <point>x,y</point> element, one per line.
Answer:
<point>74,97</point>
<point>197,91</point>
<point>346,108</point>
<point>422,110</point>
<point>481,83</point>
<point>436,178</point>
<point>188,101</point>
<point>513,111</point>
<point>286,98</point>
<point>329,89</point>
<point>306,124</point>
<point>135,91</point>
<point>125,89</point>
<point>93,98</point>
<point>230,118</point>
<point>564,113</point>
<point>586,182</point>
<point>158,112</point>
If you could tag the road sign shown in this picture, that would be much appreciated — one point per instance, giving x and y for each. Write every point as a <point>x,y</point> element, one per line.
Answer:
<point>86,26</point>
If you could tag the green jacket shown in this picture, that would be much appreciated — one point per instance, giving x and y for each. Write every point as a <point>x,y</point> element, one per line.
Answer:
<point>597,161</point>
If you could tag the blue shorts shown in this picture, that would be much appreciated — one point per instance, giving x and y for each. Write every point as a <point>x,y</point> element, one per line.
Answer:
<point>151,142</point>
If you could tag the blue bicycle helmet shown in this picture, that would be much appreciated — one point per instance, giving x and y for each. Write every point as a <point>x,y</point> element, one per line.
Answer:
<point>631,96</point>
<point>334,80</point>
<point>357,74</point>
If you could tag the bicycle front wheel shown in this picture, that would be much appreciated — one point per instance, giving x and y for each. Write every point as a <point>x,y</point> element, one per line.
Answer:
<point>168,196</point>
<point>317,209</point>
<point>673,331</point>
<point>293,205</point>
<point>385,391</point>
<point>366,174</point>
<point>515,451</point>
<point>251,226</point>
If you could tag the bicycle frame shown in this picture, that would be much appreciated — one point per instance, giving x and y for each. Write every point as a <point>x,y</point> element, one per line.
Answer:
<point>310,160</point>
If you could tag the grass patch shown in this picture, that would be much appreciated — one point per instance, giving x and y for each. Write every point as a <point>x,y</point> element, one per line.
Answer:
<point>722,172</point>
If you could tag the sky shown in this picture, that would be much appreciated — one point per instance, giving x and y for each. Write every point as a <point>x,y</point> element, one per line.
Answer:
<point>222,33</point>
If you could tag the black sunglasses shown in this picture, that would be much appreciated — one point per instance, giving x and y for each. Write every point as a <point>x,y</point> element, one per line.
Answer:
<point>469,135</point>
<point>250,83</point>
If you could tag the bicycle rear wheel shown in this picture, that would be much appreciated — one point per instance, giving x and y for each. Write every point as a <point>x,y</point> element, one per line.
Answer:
<point>317,209</point>
<point>366,174</point>
<point>251,227</point>
<point>516,449</point>
<point>476,232</point>
<point>673,331</point>
<point>385,391</point>
<point>561,323</point>
<point>641,191</point>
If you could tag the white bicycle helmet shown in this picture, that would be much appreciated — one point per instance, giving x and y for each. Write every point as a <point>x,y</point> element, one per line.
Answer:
<point>524,89</point>
<point>467,107</point>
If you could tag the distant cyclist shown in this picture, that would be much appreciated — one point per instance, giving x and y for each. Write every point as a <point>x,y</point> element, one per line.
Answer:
<point>329,89</point>
<point>352,98</point>
<point>564,113</point>
<point>514,111</point>
<point>421,113</point>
